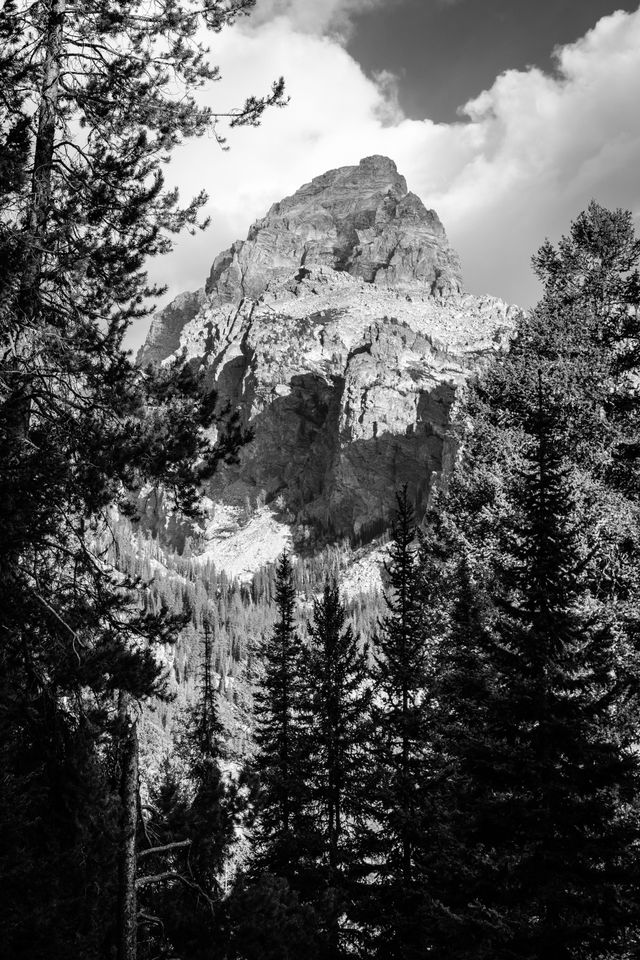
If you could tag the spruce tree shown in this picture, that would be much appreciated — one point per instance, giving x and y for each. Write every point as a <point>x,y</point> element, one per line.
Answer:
<point>269,922</point>
<point>336,727</point>
<point>536,718</point>
<point>583,336</point>
<point>280,765</point>
<point>592,276</point>
<point>401,747</point>
<point>193,824</point>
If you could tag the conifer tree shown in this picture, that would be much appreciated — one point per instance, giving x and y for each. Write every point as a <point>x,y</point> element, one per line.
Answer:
<point>268,922</point>
<point>592,283</point>
<point>194,829</point>
<point>88,118</point>
<point>401,683</point>
<point>280,765</point>
<point>336,728</point>
<point>583,336</point>
<point>538,739</point>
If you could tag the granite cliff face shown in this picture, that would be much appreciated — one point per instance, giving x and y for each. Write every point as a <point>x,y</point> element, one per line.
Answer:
<point>357,220</point>
<point>338,328</point>
<point>167,326</point>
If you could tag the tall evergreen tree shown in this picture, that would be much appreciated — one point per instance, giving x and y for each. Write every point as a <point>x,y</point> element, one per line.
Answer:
<point>268,922</point>
<point>592,280</point>
<point>336,728</point>
<point>402,684</point>
<point>88,116</point>
<point>536,718</point>
<point>582,336</point>
<point>280,765</point>
<point>195,812</point>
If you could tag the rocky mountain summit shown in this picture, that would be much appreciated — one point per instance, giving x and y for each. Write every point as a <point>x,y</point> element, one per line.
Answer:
<point>340,331</point>
<point>357,220</point>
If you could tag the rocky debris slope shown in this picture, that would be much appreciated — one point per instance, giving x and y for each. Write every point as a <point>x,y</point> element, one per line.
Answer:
<point>339,330</point>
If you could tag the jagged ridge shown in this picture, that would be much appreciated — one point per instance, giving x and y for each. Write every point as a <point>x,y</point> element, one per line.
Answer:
<point>361,220</point>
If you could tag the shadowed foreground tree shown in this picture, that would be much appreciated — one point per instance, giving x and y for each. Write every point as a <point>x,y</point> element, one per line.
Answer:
<point>280,765</point>
<point>401,749</point>
<point>580,343</point>
<point>268,915</point>
<point>537,716</point>
<point>268,922</point>
<point>336,727</point>
<point>193,824</point>
<point>93,98</point>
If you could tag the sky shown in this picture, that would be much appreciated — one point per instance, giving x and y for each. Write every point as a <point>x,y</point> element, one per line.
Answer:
<point>505,116</point>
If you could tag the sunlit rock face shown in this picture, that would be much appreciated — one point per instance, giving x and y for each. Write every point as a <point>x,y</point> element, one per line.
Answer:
<point>357,220</point>
<point>167,326</point>
<point>339,330</point>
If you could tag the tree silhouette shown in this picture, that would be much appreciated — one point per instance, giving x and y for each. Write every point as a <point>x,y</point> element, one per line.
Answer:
<point>401,683</point>
<point>537,740</point>
<point>335,737</point>
<point>89,116</point>
<point>280,764</point>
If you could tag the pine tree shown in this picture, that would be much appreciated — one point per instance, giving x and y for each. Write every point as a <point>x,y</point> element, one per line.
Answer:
<point>336,727</point>
<point>280,765</point>
<point>194,828</point>
<point>205,729</point>
<point>87,122</point>
<point>593,277</point>
<point>401,683</point>
<point>536,717</point>
<point>583,336</point>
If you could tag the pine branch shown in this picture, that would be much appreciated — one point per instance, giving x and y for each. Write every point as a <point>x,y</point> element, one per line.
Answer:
<point>176,845</point>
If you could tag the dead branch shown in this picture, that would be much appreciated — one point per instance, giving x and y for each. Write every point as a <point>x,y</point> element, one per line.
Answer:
<point>177,844</point>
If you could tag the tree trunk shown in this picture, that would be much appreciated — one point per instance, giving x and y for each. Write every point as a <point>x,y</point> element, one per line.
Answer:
<point>40,200</point>
<point>406,843</point>
<point>127,903</point>
<point>18,406</point>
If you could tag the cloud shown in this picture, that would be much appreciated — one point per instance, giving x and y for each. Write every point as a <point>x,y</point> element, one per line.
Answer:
<point>320,17</point>
<point>537,148</point>
<point>332,17</point>
<point>524,159</point>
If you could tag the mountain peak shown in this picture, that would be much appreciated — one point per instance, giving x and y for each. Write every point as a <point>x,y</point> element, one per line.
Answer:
<point>374,177</point>
<point>358,219</point>
<point>338,331</point>
<point>378,162</point>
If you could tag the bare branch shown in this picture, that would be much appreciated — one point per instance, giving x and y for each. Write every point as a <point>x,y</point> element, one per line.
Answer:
<point>176,845</point>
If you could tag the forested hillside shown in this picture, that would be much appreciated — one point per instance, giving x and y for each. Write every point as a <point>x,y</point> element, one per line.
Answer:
<point>237,614</point>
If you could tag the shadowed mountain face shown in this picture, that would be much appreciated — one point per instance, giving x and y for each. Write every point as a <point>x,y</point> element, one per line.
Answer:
<point>338,328</point>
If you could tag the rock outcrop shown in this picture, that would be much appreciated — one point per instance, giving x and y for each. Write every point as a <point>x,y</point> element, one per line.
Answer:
<point>339,330</point>
<point>359,220</point>
<point>166,327</point>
